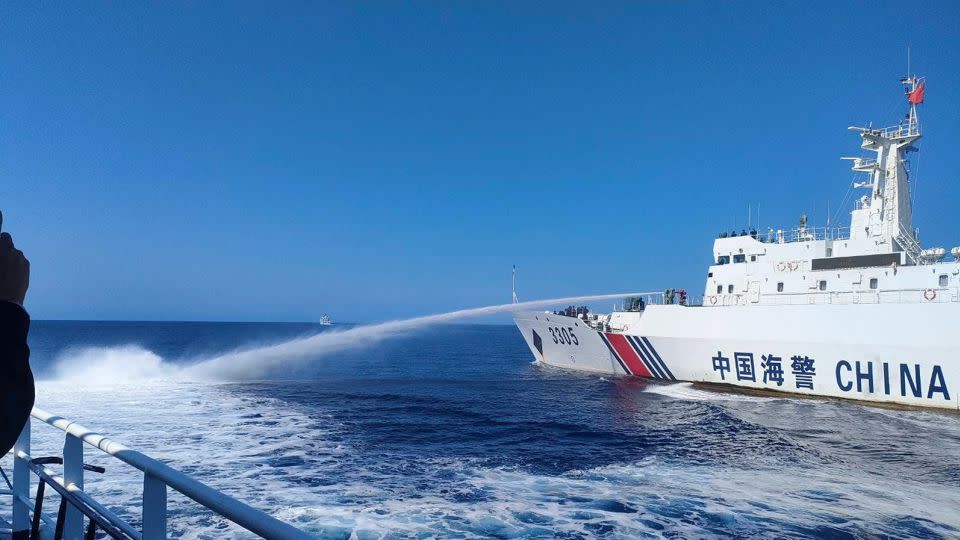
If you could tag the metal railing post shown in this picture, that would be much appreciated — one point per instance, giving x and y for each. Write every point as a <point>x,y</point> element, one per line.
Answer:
<point>154,508</point>
<point>158,478</point>
<point>21,482</point>
<point>73,474</point>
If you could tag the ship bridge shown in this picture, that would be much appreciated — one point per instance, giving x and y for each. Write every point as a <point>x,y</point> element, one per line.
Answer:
<point>877,259</point>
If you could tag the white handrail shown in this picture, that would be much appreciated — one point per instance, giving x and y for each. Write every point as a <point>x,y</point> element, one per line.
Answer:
<point>941,295</point>
<point>902,130</point>
<point>158,475</point>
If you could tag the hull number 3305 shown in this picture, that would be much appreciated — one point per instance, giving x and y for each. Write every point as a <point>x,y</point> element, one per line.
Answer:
<point>563,335</point>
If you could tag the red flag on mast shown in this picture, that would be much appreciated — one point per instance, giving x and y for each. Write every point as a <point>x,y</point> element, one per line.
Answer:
<point>916,97</point>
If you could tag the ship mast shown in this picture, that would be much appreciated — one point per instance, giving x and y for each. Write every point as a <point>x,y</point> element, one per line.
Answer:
<point>515,299</point>
<point>914,89</point>
<point>886,217</point>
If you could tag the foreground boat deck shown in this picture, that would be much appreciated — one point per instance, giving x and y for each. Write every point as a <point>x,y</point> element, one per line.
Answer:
<point>81,510</point>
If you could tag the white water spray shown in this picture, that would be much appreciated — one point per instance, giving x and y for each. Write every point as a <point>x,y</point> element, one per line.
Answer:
<point>121,364</point>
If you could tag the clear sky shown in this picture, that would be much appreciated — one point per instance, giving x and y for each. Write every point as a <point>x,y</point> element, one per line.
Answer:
<point>280,160</point>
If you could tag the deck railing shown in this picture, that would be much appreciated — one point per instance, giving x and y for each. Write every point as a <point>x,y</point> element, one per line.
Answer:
<point>157,477</point>
<point>799,234</point>
<point>902,130</point>
<point>648,298</point>
<point>808,234</point>
<point>902,296</point>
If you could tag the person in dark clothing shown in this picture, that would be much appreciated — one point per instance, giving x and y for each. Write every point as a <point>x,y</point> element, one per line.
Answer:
<point>16,379</point>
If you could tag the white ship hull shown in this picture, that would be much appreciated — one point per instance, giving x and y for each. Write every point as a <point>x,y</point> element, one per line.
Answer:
<point>890,353</point>
<point>863,312</point>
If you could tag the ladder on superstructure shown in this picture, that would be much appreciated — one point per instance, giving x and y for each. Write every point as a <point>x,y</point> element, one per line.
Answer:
<point>910,246</point>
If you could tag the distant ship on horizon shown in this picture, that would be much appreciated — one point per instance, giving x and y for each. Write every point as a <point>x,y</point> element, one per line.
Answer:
<point>325,320</point>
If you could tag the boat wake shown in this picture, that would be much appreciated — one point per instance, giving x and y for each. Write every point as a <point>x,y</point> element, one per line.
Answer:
<point>308,456</point>
<point>439,444</point>
<point>111,365</point>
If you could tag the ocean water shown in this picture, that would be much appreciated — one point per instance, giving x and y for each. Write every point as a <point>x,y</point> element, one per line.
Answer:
<point>452,431</point>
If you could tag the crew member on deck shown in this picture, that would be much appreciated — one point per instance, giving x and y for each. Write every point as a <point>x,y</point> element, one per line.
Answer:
<point>16,379</point>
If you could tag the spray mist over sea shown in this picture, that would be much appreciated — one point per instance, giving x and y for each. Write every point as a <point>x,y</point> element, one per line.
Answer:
<point>126,363</point>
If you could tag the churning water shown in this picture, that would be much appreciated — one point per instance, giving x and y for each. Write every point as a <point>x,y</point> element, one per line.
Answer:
<point>451,431</point>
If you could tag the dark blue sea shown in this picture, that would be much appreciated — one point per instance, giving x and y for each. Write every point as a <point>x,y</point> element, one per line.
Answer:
<point>451,431</point>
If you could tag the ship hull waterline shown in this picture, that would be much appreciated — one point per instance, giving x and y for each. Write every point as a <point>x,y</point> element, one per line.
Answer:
<point>799,350</point>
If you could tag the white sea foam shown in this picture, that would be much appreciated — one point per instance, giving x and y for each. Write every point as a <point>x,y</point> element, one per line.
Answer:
<point>228,440</point>
<point>110,365</point>
<point>687,391</point>
<point>236,442</point>
<point>298,463</point>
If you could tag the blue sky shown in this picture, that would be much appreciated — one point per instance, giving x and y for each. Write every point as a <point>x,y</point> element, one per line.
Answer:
<point>240,161</point>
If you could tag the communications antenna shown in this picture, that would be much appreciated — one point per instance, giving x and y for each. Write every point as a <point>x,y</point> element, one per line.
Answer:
<point>515,299</point>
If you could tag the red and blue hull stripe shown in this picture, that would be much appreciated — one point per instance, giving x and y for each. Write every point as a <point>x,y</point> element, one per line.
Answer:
<point>637,356</point>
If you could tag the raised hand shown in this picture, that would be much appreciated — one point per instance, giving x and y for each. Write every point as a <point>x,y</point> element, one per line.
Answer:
<point>14,270</point>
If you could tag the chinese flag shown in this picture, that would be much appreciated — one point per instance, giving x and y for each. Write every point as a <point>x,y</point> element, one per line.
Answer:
<point>916,97</point>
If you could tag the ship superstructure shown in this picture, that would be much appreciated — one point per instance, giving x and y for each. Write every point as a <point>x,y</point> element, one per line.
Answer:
<point>860,312</point>
<point>877,258</point>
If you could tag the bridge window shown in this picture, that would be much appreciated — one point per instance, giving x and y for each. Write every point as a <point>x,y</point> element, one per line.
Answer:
<point>944,280</point>
<point>823,284</point>
<point>719,289</point>
<point>780,286</point>
<point>753,258</point>
<point>730,289</point>
<point>723,259</point>
<point>873,283</point>
<point>739,258</point>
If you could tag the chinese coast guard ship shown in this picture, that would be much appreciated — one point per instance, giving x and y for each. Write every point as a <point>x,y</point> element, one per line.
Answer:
<point>861,313</point>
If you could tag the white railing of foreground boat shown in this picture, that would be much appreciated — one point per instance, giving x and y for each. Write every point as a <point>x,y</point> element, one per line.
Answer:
<point>156,478</point>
